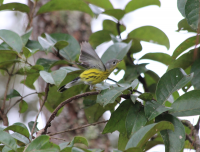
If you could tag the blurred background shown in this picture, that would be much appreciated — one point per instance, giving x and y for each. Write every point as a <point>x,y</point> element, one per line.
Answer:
<point>81,25</point>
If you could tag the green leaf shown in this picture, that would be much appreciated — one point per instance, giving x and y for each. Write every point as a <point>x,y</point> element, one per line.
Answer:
<point>58,76</point>
<point>117,120</point>
<point>171,82</point>
<point>135,119</point>
<point>134,4</point>
<point>174,140</point>
<point>150,34</point>
<point>117,13</point>
<point>34,45</point>
<point>19,128</point>
<point>109,24</point>
<point>132,72</point>
<point>55,5</point>
<point>150,144</point>
<point>181,6</point>
<point>79,139</point>
<point>8,140</point>
<point>28,52</point>
<point>30,79</point>
<point>183,25</point>
<point>71,51</point>
<point>185,60</point>
<point>13,93</point>
<point>196,70</point>
<point>12,39</point>
<point>160,57</point>
<point>47,46</point>
<point>192,13</point>
<point>102,3</point>
<point>145,133</point>
<point>23,106</point>
<point>7,55</point>
<point>153,109</point>
<point>20,138</point>
<point>146,96</point>
<point>30,70</point>
<point>136,45</point>
<point>48,63</point>
<point>184,46</point>
<point>99,37</point>
<point>6,64</point>
<point>110,95</point>
<point>187,104</point>
<point>61,44</point>
<point>26,36</point>
<point>116,51</point>
<point>151,77</point>
<point>15,7</point>
<point>47,77</point>
<point>134,149</point>
<point>30,125</point>
<point>1,2</point>
<point>37,143</point>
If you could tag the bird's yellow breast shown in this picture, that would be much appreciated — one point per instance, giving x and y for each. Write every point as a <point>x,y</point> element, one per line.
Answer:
<point>93,76</point>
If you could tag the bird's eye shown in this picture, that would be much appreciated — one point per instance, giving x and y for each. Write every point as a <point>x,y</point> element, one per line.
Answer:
<point>114,62</point>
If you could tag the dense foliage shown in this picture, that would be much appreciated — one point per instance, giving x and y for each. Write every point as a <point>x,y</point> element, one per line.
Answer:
<point>143,120</point>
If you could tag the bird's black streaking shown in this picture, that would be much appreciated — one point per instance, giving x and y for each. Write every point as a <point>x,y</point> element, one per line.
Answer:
<point>62,89</point>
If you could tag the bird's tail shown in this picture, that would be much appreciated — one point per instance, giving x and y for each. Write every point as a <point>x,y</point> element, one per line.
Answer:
<point>74,82</point>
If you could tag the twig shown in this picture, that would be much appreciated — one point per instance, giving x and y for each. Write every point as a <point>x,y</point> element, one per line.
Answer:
<point>45,98</point>
<point>7,85</point>
<point>81,127</point>
<point>197,125</point>
<point>189,138</point>
<point>53,115</point>
<point>31,16</point>
<point>58,138</point>
<point>20,100</point>
<point>118,29</point>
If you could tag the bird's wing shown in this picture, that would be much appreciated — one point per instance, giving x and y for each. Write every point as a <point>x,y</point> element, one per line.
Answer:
<point>89,58</point>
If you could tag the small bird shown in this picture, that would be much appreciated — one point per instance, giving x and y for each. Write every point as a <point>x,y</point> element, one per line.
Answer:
<point>96,71</point>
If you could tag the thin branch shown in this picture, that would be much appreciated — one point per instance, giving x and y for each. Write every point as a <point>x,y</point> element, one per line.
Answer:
<point>189,138</point>
<point>118,29</point>
<point>7,85</point>
<point>53,115</point>
<point>45,98</point>
<point>197,125</point>
<point>20,100</point>
<point>81,127</point>
<point>58,138</point>
<point>31,16</point>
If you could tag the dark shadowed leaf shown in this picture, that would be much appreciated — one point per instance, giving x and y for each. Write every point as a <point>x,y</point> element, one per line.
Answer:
<point>184,46</point>
<point>153,109</point>
<point>160,57</point>
<point>109,26</point>
<point>99,37</point>
<point>196,70</point>
<point>187,104</point>
<point>34,45</point>
<point>6,64</point>
<point>12,39</point>
<point>181,6</point>
<point>48,63</point>
<point>61,44</point>
<point>55,5</point>
<point>15,7</point>
<point>145,133</point>
<point>192,13</point>
<point>136,45</point>
<point>30,125</point>
<point>150,34</point>
<point>183,25</point>
<point>133,5</point>
<point>23,106</point>
<point>146,96</point>
<point>102,3</point>
<point>116,51</point>
<point>174,140</point>
<point>13,93</point>
<point>117,13</point>
<point>171,82</point>
<point>8,140</point>
<point>151,77</point>
<point>19,128</point>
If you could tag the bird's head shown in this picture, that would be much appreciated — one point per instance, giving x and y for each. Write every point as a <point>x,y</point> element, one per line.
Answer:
<point>112,64</point>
